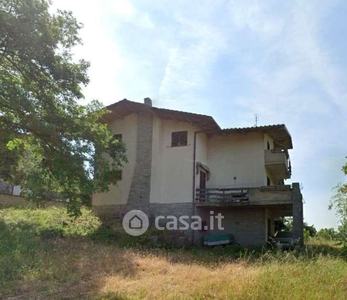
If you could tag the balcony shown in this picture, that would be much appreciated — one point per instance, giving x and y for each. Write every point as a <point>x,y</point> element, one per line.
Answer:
<point>222,195</point>
<point>267,195</point>
<point>277,163</point>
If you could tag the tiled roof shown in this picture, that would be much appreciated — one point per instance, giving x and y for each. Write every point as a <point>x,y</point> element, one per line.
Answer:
<point>279,133</point>
<point>126,107</point>
<point>259,127</point>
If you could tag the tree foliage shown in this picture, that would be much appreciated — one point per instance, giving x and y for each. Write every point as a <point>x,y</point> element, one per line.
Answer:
<point>327,234</point>
<point>339,203</point>
<point>286,224</point>
<point>310,229</point>
<point>48,142</point>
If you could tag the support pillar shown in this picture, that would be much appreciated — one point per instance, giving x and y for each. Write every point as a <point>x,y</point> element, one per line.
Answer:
<point>298,216</point>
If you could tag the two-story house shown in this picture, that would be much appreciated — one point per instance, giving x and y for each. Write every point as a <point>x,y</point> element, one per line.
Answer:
<point>183,163</point>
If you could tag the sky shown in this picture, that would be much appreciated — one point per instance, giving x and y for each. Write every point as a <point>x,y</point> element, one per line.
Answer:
<point>282,60</point>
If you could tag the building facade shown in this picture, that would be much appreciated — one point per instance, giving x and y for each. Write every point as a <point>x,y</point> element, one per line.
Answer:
<point>182,163</point>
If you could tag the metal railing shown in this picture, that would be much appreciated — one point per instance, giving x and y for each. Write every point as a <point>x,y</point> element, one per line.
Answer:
<point>222,195</point>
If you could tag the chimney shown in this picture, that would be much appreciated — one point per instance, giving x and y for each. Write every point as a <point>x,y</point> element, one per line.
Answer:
<point>148,101</point>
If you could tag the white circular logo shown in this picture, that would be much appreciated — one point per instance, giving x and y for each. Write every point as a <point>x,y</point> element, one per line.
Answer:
<point>135,222</point>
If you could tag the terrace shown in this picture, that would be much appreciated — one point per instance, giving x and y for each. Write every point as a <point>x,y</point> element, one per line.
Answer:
<point>265,195</point>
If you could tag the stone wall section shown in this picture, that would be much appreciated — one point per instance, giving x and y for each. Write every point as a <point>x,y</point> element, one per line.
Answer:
<point>139,196</point>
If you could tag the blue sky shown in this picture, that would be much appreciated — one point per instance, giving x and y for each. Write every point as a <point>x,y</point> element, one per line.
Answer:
<point>283,60</point>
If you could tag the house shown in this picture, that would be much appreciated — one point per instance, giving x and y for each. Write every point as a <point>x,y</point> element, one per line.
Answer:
<point>183,163</point>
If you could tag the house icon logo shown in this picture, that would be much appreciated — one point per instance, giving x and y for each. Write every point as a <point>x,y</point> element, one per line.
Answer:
<point>135,222</point>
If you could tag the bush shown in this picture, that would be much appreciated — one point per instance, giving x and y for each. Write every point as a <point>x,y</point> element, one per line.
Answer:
<point>51,222</point>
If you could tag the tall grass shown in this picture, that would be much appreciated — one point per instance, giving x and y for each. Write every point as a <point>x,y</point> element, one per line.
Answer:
<point>45,254</point>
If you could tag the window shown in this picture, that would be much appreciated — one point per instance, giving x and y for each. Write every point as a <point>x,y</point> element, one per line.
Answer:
<point>268,145</point>
<point>179,138</point>
<point>118,137</point>
<point>268,181</point>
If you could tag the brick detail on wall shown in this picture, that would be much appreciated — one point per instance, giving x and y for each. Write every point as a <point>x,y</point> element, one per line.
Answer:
<point>139,196</point>
<point>298,216</point>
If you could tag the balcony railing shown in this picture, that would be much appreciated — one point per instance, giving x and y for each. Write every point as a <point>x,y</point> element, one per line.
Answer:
<point>263,195</point>
<point>222,195</point>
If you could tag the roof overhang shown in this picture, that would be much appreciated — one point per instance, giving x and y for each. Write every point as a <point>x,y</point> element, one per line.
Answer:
<point>122,109</point>
<point>125,107</point>
<point>279,133</point>
<point>205,123</point>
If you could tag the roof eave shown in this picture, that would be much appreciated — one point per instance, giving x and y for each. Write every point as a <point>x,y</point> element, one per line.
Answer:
<point>283,141</point>
<point>126,107</point>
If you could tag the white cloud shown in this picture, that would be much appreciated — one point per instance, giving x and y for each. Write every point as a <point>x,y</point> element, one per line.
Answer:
<point>253,16</point>
<point>295,81</point>
<point>125,10</point>
<point>196,48</point>
<point>302,57</point>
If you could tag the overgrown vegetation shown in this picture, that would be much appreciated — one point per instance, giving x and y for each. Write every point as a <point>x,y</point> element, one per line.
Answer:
<point>46,254</point>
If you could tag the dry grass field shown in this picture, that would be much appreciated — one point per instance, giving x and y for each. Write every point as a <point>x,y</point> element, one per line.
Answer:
<point>46,255</point>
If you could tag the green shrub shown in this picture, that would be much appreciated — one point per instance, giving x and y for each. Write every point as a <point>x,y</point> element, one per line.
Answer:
<point>51,222</point>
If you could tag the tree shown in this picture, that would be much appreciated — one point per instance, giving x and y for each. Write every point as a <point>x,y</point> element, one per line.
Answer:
<point>286,224</point>
<point>339,203</point>
<point>310,229</point>
<point>327,234</point>
<point>49,142</point>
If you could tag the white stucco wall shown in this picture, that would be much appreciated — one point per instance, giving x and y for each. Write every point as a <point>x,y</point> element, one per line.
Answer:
<point>236,155</point>
<point>172,167</point>
<point>119,193</point>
